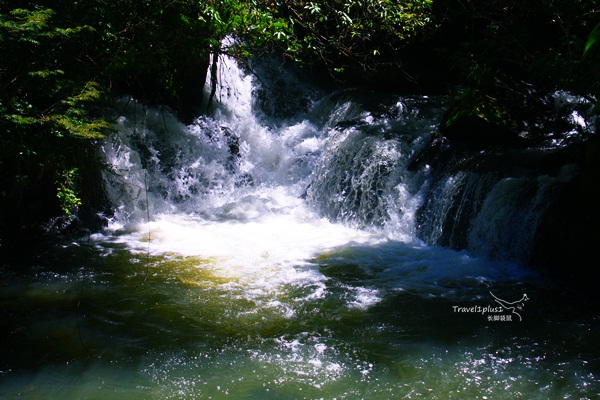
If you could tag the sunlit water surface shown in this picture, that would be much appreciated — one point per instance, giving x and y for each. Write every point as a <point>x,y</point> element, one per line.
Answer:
<point>296,308</point>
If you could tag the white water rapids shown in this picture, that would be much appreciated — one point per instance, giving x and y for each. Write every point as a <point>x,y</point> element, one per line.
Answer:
<point>264,196</point>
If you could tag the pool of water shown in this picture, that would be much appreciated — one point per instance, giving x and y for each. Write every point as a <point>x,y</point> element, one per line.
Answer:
<point>118,316</point>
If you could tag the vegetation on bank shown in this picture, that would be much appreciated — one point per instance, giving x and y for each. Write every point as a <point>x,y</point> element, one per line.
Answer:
<point>62,63</point>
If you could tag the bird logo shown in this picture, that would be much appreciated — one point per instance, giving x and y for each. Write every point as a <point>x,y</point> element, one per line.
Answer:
<point>513,306</point>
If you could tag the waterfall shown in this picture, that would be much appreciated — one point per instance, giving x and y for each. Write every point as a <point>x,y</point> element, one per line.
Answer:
<point>279,160</point>
<point>362,177</point>
<point>489,214</point>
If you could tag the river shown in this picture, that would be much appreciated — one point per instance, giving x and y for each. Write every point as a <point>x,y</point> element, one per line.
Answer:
<point>287,247</point>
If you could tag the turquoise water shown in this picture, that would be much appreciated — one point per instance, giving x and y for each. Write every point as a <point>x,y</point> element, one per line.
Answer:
<point>100,319</point>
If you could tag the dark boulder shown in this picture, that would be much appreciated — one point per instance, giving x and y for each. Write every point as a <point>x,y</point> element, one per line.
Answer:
<point>568,236</point>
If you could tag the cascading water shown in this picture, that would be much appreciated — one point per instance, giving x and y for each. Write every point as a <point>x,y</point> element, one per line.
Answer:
<point>231,183</point>
<point>262,184</point>
<point>347,158</point>
<point>362,177</point>
<point>298,248</point>
<point>241,184</point>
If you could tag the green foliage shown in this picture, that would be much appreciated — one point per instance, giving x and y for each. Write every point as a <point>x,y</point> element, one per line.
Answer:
<point>47,104</point>
<point>499,48</point>
<point>147,49</point>
<point>592,41</point>
<point>59,67</point>
<point>36,89</point>
<point>486,105</point>
<point>75,120</point>
<point>339,35</point>
<point>66,192</point>
<point>539,42</point>
<point>348,34</point>
<point>482,106</point>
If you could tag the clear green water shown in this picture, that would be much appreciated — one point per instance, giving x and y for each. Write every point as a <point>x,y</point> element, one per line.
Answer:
<point>108,322</point>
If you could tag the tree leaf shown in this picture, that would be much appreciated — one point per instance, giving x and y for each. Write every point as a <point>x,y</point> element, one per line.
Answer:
<point>592,40</point>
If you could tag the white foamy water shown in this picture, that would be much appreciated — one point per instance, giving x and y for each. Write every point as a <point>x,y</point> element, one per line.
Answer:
<point>265,197</point>
<point>228,187</point>
<point>279,239</point>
